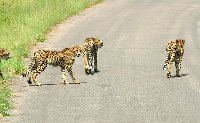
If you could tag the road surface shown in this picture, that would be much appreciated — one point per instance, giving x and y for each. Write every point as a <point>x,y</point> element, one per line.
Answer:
<point>131,86</point>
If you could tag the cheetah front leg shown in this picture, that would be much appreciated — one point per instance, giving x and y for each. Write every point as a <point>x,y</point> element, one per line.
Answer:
<point>178,67</point>
<point>86,66</point>
<point>90,60</point>
<point>87,63</point>
<point>171,57</point>
<point>95,62</point>
<point>69,69</point>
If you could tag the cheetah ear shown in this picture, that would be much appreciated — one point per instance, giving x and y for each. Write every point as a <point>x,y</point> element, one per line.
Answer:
<point>183,41</point>
<point>177,41</point>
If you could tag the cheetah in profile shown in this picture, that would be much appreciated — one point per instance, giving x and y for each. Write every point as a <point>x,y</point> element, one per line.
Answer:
<point>64,59</point>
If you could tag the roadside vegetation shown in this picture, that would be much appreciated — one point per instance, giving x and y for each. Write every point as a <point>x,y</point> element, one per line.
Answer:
<point>24,23</point>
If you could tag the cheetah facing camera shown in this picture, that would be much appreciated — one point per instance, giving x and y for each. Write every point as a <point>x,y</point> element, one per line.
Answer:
<point>175,51</point>
<point>4,54</point>
<point>64,59</point>
<point>91,46</point>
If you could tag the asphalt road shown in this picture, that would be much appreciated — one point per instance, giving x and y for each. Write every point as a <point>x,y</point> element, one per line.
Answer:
<point>131,86</point>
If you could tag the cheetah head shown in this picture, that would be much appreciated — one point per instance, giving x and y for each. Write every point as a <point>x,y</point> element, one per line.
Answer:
<point>77,50</point>
<point>98,42</point>
<point>4,54</point>
<point>180,43</point>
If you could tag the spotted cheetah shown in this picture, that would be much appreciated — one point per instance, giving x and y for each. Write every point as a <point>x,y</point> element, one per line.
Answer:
<point>64,59</point>
<point>90,49</point>
<point>4,54</point>
<point>175,51</point>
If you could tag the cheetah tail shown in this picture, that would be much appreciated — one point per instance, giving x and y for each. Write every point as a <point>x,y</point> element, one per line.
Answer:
<point>30,68</point>
<point>22,75</point>
<point>165,67</point>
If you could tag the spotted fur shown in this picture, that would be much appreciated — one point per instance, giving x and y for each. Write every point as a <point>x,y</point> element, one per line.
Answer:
<point>91,46</point>
<point>64,59</point>
<point>4,54</point>
<point>175,51</point>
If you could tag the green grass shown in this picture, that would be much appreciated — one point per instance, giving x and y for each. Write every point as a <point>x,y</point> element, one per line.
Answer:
<point>25,22</point>
<point>5,105</point>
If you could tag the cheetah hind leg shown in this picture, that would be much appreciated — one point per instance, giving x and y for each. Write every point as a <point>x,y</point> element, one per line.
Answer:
<point>41,67</point>
<point>178,68</point>
<point>169,75</point>
<point>90,69</point>
<point>178,72</point>
<point>169,65</point>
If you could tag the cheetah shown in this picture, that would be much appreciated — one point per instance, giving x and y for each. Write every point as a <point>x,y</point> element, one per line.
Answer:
<point>90,49</point>
<point>4,54</point>
<point>175,51</point>
<point>64,59</point>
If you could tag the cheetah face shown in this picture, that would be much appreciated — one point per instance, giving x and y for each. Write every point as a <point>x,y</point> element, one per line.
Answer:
<point>77,50</point>
<point>4,54</point>
<point>180,45</point>
<point>98,42</point>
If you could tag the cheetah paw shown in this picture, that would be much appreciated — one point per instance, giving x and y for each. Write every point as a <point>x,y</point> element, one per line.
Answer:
<point>65,83</point>
<point>77,82</point>
<point>38,84</point>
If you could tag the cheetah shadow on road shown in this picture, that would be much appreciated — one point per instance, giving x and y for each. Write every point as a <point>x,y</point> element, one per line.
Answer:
<point>72,83</point>
<point>182,75</point>
<point>49,84</point>
<point>94,72</point>
<point>43,84</point>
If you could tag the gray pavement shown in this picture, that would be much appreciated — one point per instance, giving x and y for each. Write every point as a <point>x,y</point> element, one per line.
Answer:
<point>131,86</point>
